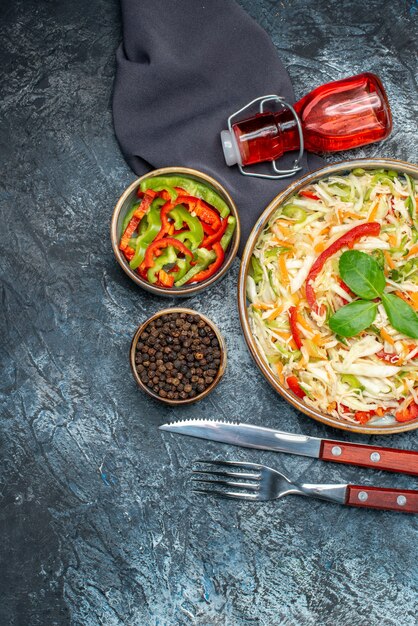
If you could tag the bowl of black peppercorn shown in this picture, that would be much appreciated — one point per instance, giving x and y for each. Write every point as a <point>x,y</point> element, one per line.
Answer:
<point>178,356</point>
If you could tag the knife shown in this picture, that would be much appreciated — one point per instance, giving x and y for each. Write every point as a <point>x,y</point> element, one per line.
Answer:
<point>250,436</point>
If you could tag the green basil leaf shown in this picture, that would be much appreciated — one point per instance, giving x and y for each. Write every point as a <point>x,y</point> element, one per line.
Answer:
<point>401,315</point>
<point>362,274</point>
<point>353,318</point>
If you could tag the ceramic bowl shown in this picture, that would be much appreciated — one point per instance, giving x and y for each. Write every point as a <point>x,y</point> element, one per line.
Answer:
<point>337,168</point>
<point>218,376</point>
<point>125,202</point>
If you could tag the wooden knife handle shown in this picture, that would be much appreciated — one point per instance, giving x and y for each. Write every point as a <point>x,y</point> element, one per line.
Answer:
<point>389,459</point>
<point>380,498</point>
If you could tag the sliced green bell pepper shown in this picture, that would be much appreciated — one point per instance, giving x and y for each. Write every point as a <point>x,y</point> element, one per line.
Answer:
<point>272,253</point>
<point>379,257</point>
<point>383,179</point>
<point>271,281</point>
<point>294,212</point>
<point>143,224</point>
<point>352,381</point>
<point>195,233</point>
<point>193,188</point>
<point>204,258</point>
<point>152,230</point>
<point>256,271</point>
<point>184,266</point>
<point>168,256</point>
<point>229,231</point>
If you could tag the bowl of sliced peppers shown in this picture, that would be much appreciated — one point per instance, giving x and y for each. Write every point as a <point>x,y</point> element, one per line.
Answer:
<point>175,231</point>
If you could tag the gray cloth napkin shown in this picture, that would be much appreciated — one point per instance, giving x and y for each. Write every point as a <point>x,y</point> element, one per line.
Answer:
<point>182,69</point>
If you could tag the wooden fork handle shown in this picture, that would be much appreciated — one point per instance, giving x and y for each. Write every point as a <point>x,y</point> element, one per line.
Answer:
<point>381,498</point>
<point>389,459</point>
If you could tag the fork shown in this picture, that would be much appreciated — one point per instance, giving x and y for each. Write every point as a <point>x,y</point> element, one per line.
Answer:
<point>258,483</point>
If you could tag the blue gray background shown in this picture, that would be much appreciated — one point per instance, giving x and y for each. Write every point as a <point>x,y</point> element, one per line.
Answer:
<point>97,521</point>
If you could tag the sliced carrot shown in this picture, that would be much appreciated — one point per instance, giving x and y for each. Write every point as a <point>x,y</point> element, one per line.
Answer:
<point>320,247</point>
<point>393,240</point>
<point>385,335</point>
<point>310,351</point>
<point>303,322</point>
<point>412,251</point>
<point>284,228</point>
<point>354,216</point>
<point>260,306</point>
<point>325,230</point>
<point>283,270</point>
<point>389,260</point>
<point>286,244</point>
<point>414,297</point>
<point>279,368</point>
<point>401,295</point>
<point>373,212</point>
<point>275,313</point>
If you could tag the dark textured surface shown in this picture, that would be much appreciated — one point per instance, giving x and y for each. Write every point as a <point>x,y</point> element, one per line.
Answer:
<point>97,521</point>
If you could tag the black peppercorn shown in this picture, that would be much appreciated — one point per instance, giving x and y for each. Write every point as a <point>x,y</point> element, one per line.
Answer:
<point>178,356</point>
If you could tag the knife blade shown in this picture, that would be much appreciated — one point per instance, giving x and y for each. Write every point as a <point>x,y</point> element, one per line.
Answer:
<point>261,438</point>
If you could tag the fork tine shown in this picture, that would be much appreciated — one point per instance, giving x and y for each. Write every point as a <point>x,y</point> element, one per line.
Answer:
<point>227,474</point>
<point>238,464</point>
<point>226,494</point>
<point>226,483</point>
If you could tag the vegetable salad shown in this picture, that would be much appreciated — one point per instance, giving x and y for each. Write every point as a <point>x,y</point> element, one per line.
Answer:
<point>333,296</point>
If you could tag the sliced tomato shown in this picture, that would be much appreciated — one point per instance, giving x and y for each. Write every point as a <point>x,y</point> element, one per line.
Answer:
<point>363,416</point>
<point>309,194</point>
<point>388,357</point>
<point>408,414</point>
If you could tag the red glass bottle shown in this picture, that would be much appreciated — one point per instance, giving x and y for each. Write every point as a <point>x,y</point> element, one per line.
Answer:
<point>337,116</point>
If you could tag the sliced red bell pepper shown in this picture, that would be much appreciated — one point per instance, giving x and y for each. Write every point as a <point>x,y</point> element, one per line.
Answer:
<point>136,218</point>
<point>129,253</point>
<point>348,239</point>
<point>202,210</point>
<point>346,288</point>
<point>363,416</point>
<point>216,236</point>
<point>165,195</point>
<point>154,249</point>
<point>408,414</point>
<point>309,194</point>
<point>293,384</point>
<point>142,270</point>
<point>207,229</point>
<point>213,267</point>
<point>165,224</point>
<point>411,347</point>
<point>388,357</point>
<point>293,321</point>
<point>167,280</point>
